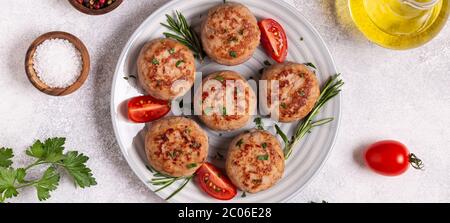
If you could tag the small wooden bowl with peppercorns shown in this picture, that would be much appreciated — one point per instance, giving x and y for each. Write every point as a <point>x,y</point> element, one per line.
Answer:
<point>95,7</point>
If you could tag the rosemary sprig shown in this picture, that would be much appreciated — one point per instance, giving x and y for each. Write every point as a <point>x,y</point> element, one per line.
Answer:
<point>184,33</point>
<point>163,181</point>
<point>331,89</point>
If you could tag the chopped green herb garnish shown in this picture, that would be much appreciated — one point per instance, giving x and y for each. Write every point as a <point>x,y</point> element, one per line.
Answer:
<point>302,93</point>
<point>219,156</point>
<point>263,157</point>
<point>179,63</point>
<point>192,165</point>
<point>240,142</point>
<point>233,54</point>
<point>172,51</point>
<point>196,145</point>
<point>130,76</point>
<point>155,61</point>
<point>233,39</point>
<point>173,154</point>
<point>224,111</point>
<point>219,78</point>
<point>181,104</point>
<point>257,181</point>
<point>259,124</point>
<point>311,65</point>
<point>264,145</point>
<point>283,105</point>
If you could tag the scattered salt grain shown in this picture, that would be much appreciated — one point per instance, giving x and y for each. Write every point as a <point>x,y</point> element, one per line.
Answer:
<point>57,63</point>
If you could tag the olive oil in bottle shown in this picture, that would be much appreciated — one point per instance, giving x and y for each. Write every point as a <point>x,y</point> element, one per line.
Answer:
<point>400,24</point>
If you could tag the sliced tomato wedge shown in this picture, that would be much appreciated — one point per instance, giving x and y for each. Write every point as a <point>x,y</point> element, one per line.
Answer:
<point>146,109</point>
<point>273,39</point>
<point>214,183</point>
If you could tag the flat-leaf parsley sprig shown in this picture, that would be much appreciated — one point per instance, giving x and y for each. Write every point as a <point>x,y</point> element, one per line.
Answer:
<point>50,154</point>
<point>184,33</point>
<point>330,90</point>
<point>164,181</point>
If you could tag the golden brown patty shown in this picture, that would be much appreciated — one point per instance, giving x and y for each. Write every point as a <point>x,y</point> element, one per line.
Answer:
<point>230,34</point>
<point>255,161</point>
<point>166,69</point>
<point>176,146</point>
<point>298,87</point>
<point>222,112</point>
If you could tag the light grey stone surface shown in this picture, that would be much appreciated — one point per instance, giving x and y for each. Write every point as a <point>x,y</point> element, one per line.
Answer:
<point>403,95</point>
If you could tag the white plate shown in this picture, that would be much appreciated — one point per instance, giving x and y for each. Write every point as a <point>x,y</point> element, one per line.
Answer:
<point>308,156</point>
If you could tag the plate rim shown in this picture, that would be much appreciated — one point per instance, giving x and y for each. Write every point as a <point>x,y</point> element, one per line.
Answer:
<point>285,5</point>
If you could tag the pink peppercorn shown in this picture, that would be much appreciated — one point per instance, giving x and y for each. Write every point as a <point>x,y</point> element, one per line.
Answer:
<point>96,4</point>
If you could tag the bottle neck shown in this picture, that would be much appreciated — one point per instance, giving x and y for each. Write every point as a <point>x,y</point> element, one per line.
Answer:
<point>420,4</point>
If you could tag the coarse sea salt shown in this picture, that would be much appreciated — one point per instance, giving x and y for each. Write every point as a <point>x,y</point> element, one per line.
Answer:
<point>57,63</point>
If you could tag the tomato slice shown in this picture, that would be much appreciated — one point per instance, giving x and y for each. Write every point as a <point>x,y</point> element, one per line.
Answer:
<point>273,39</point>
<point>214,183</point>
<point>146,109</point>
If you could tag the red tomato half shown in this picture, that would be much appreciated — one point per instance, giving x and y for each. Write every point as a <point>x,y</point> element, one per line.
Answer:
<point>389,158</point>
<point>214,183</point>
<point>146,109</point>
<point>273,39</point>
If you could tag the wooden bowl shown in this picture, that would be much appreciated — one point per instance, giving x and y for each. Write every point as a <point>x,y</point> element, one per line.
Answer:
<point>38,83</point>
<point>89,11</point>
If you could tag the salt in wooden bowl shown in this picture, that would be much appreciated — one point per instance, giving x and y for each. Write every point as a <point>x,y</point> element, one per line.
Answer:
<point>42,86</point>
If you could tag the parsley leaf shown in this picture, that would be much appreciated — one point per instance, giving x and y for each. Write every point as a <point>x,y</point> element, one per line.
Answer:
<point>7,179</point>
<point>49,182</point>
<point>75,164</point>
<point>50,151</point>
<point>5,157</point>
<point>20,176</point>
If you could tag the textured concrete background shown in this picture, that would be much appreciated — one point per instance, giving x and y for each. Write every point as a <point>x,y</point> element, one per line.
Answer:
<point>389,94</point>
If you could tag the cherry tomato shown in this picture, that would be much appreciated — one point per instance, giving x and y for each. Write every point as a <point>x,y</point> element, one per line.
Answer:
<point>390,158</point>
<point>146,109</point>
<point>273,39</point>
<point>214,183</point>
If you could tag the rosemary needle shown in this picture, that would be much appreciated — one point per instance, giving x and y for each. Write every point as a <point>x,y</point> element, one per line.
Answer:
<point>163,181</point>
<point>331,89</point>
<point>184,33</point>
